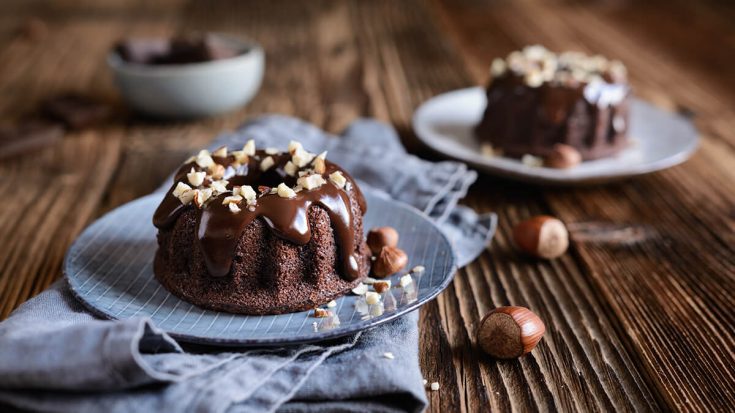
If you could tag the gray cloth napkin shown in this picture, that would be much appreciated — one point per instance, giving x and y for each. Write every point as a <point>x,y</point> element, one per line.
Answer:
<point>55,356</point>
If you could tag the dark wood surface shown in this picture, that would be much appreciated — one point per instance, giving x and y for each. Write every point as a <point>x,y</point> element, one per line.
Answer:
<point>639,313</point>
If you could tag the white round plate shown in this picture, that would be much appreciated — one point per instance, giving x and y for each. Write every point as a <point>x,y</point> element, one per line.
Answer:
<point>660,140</point>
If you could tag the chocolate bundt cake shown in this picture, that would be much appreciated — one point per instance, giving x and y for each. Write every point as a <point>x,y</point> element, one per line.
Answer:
<point>537,99</point>
<point>261,232</point>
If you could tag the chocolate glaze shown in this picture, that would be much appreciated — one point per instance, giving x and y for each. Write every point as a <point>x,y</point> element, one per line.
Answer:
<point>219,229</point>
<point>523,120</point>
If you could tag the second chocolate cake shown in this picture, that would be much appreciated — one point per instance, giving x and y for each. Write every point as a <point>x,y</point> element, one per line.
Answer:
<point>537,99</point>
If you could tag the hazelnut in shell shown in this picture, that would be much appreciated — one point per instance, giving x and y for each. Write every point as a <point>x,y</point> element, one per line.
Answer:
<point>389,261</point>
<point>509,332</point>
<point>542,236</point>
<point>563,157</point>
<point>381,237</point>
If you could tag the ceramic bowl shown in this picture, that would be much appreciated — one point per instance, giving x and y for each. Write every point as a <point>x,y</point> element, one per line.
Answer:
<point>195,89</point>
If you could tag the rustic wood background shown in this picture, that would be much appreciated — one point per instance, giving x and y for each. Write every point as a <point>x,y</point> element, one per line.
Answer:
<point>639,313</point>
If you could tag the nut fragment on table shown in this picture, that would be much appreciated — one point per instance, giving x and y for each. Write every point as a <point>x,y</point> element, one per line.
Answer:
<point>321,313</point>
<point>361,289</point>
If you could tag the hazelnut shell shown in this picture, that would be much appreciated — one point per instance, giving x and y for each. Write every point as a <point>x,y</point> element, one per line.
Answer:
<point>381,237</point>
<point>542,236</point>
<point>389,261</point>
<point>509,332</point>
<point>563,157</point>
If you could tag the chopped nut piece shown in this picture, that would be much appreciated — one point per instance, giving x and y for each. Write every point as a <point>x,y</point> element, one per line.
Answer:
<point>217,171</point>
<point>219,186</point>
<point>247,192</point>
<point>290,168</point>
<point>180,189</point>
<point>249,148</point>
<point>233,199</point>
<point>201,196</point>
<point>372,297</point>
<point>338,179</point>
<point>186,197</point>
<point>263,189</point>
<point>369,280</point>
<point>388,355</point>
<point>284,191</point>
<point>435,386</point>
<point>234,208</point>
<point>497,68</point>
<point>321,313</point>
<point>196,178</point>
<point>406,280</point>
<point>534,78</point>
<point>293,146</point>
<point>311,181</point>
<point>533,161</point>
<point>332,304</point>
<point>221,152</point>
<point>240,157</point>
<point>381,286</point>
<point>203,159</point>
<point>271,151</point>
<point>487,150</point>
<point>418,268</point>
<point>266,163</point>
<point>361,289</point>
<point>301,157</point>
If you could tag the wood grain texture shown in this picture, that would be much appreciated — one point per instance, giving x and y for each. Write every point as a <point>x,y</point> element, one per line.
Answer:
<point>638,314</point>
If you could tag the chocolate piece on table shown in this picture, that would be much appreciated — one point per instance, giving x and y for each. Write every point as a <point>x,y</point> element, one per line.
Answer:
<point>77,111</point>
<point>19,139</point>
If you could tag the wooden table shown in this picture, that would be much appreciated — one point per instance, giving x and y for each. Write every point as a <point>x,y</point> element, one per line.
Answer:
<point>639,313</point>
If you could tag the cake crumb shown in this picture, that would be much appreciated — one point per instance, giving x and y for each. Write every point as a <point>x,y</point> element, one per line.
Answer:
<point>435,386</point>
<point>388,355</point>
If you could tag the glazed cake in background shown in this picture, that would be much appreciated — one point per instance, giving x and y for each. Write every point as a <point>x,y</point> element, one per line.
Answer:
<point>261,231</point>
<point>537,99</point>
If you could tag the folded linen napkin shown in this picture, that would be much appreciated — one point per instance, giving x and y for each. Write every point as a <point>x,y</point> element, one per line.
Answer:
<point>56,356</point>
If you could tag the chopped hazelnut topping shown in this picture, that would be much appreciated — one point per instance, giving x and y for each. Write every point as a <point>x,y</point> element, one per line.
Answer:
<point>186,197</point>
<point>293,146</point>
<point>232,199</point>
<point>290,168</point>
<point>301,157</point>
<point>247,192</point>
<point>406,280</point>
<point>320,165</point>
<point>271,151</point>
<point>338,179</point>
<point>381,286</point>
<point>234,208</point>
<point>201,196</point>
<point>203,159</point>
<point>321,313</point>
<point>311,181</point>
<point>221,152</point>
<point>217,171</point>
<point>372,297</point>
<point>266,163</point>
<point>180,189</point>
<point>284,191</point>
<point>240,157</point>
<point>249,148</point>
<point>498,67</point>
<point>196,178</point>
<point>388,355</point>
<point>361,289</point>
<point>219,186</point>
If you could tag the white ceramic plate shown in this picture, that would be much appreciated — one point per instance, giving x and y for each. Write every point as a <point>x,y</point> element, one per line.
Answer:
<point>659,140</point>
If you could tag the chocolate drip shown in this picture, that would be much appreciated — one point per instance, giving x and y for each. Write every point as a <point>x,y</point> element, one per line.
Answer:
<point>219,229</point>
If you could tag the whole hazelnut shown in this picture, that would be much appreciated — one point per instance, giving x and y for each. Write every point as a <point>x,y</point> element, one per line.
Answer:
<point>563,157</point>
<point>542,236</point>
<point>509,332</point>
<point>389,261</point>
<point>381,237</point>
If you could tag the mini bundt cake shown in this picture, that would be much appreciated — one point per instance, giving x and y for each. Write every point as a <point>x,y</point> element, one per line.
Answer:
<point>537,99</point>
<point>261,232</point>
